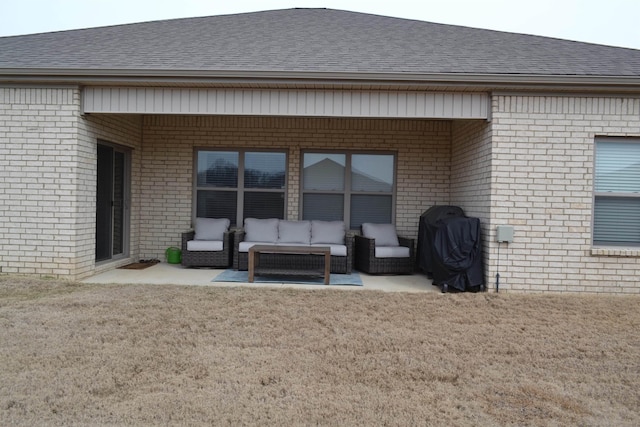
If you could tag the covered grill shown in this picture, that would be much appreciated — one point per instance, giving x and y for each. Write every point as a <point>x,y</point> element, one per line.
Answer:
<point>449,248</point>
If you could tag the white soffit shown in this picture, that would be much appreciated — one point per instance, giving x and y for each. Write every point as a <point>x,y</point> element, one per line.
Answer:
<point>284,102</point>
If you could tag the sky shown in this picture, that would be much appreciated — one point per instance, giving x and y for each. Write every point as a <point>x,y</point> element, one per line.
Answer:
<point>609,22</point>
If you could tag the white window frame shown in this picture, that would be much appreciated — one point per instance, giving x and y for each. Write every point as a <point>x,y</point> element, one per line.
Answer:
<point>610,194</point>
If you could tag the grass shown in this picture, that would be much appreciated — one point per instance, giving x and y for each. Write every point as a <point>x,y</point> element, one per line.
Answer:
<point>75,354</point>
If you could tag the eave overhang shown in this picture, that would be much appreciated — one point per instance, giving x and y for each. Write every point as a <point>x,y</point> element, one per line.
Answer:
<point>350,80</point>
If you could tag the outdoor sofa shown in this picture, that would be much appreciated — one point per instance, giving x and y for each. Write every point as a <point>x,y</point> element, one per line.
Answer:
<point>209,244</point>
<point>273,231</point>
<point>379,250</point>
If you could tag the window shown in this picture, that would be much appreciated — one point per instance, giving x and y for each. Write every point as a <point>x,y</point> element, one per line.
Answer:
<point>240,184</point>
<point>352,187</point>
<point>617,193</point>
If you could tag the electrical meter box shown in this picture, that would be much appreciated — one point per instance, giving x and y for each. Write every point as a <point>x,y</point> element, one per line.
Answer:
<point>504,233</point>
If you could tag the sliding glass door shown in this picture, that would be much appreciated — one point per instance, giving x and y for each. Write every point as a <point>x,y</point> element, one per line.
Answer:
<point>112,202</point>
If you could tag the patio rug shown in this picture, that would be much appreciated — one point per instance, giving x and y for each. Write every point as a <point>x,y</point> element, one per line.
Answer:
<point>140,265</point>
<point>231,275</point>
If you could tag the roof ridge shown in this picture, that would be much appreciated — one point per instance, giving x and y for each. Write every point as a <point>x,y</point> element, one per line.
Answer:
<point>249,13</point>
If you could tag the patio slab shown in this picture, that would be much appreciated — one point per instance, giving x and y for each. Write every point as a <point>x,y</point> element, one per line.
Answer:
<point>172,274</point>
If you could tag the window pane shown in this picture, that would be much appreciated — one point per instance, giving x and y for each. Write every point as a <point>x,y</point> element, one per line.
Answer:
<point>372,173</point>
<point>324,207</point>
<point>217,204</point>
<point>263,205</point>
<point>264,170</point>
<point>617,167</point>
<point>616,221</point>
<point>324,172</point>
<point>366,208</point>
<point>217,169</point>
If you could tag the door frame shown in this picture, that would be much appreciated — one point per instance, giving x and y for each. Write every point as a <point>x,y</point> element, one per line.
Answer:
<point>126,204</point>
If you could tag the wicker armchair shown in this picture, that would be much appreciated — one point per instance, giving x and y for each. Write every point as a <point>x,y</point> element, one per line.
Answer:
<point>366,260</point>
<point>207,258</point>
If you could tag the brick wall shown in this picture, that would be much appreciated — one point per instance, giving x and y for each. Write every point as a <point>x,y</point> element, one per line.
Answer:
<point>122,130</point>
<point>542,184</point>
<point>38,180</point>
<point>471,175</point>
<point>422,148</point>
<point>47,182</point>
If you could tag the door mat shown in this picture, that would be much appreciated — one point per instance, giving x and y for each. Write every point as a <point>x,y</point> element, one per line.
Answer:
<point>144,263</point>
<point>231,275</point>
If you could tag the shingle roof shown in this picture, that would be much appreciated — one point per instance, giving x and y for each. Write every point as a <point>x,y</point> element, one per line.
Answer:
<point>313,40</point>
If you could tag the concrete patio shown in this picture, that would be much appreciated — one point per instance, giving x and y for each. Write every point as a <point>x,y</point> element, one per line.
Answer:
<point>172,274</point>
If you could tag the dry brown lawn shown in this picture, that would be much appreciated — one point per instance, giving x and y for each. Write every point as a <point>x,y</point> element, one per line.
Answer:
<point>75,354</point>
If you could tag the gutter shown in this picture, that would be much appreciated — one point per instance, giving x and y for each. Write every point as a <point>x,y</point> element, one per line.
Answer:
<point>187,77</point>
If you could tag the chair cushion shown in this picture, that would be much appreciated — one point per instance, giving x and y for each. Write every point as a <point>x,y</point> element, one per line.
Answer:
<point>384,234</point>
<point>210,228</point>
<point>294,232</point>
<point>204,245</point>
<point>261,230</point>
<point>329,232</point>
<point>392,252</point>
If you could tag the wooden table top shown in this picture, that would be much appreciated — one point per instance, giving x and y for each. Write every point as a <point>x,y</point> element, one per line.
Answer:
<point>290,249</point>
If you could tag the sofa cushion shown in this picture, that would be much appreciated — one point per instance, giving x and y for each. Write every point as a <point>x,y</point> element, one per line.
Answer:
<point>392,252</point>
<point>384,234</point>
<point>336,250</point>
<point>327,232</point>
<point>210,228</point>
<point>261,230</point>
<point>244,246</point>
<point>294,232</point>
<point>204,245</point>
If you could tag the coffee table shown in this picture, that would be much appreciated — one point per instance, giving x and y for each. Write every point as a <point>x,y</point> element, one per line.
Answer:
<point>256,250</point>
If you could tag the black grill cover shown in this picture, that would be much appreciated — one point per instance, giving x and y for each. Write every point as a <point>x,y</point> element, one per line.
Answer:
<point>429,223</point>
<point>450,248</point>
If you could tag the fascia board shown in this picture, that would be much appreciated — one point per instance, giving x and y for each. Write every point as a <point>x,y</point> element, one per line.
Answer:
<point>90,76</point>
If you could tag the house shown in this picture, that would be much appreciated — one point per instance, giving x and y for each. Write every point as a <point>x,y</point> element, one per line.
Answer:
<point>113,139</point>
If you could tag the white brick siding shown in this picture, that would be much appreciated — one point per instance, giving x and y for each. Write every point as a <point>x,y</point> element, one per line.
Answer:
<point>123,130</point>
<point>47,182</point>
<point>38,155</point>
<point>471,174</point>
<point>471,167</point>
<point>542,184</point>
